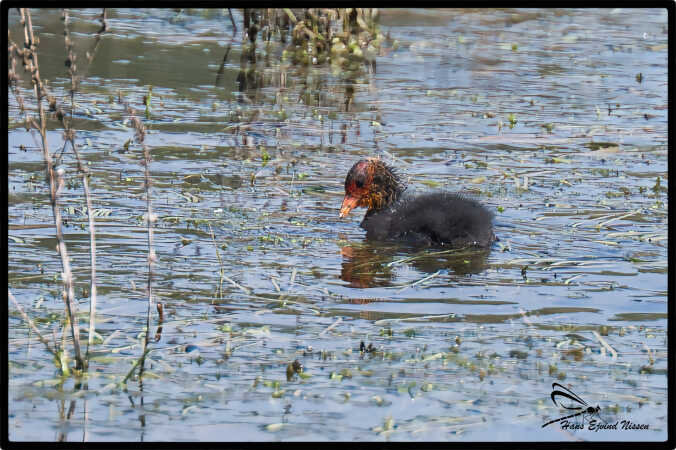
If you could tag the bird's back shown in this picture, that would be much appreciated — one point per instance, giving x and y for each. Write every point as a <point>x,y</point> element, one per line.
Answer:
<point>437,218</point>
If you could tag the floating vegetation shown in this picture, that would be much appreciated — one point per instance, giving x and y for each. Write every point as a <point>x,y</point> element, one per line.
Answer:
<point>347,38</point>
<point>518,354</point>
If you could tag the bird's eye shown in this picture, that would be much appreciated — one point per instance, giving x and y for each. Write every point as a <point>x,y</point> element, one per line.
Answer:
<point>359,183</point>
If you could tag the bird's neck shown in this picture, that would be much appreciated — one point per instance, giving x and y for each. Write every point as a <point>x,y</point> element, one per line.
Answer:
<point>384,197</point>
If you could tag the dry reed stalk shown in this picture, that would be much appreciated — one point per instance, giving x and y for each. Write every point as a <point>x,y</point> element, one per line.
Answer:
<point>150,219</point>
<point>232,20</point>
<point>31,62</point>
<point>140,131</point>
<point>84,171</point>
<point>104,28</point>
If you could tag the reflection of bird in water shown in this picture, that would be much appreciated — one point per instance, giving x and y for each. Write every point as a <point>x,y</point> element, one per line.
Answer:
<point>363,266</point>
<point>461,262</point>
<point>366,266</point>
<point>436,218</point>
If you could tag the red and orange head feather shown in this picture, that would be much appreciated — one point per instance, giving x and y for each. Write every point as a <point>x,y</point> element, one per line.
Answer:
<point>370,184</point>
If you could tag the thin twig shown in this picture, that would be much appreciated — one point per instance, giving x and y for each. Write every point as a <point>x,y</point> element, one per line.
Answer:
<point>293,278</point>
<point>623,216</point>
<point>221,69</point>
<point>220,263</point>
<point>332,326</point>
<point>31,324</point>
<point>141,361</point>
<point>85,435</point>
<point>140,131</point>
<point>423,254</point>
<point>246,290</point>
<point>605,344</point>
<point>232,19</point>
<point>415,319</point>
<point>97,39</point>
<point>422,280</point>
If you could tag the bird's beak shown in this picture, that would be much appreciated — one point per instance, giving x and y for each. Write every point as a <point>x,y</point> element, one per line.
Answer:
<point>348,204</point>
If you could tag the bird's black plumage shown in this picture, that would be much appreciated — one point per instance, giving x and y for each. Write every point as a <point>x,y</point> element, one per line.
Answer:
<point>436,218</point>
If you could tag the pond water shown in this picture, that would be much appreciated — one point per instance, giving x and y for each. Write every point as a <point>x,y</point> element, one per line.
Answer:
<point>555,119</point>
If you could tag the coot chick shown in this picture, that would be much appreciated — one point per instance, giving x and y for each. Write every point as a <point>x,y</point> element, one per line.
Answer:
<point>436,218</point>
